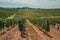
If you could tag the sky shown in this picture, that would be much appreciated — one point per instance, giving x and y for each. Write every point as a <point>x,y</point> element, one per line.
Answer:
<point>30,3</point>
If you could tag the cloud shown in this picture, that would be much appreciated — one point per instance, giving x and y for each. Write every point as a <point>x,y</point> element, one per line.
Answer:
<point>35,3</point>
<point>29,2</point>
<point>19,1</point>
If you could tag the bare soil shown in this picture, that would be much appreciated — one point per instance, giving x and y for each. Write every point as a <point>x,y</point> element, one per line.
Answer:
<point>32,35</point>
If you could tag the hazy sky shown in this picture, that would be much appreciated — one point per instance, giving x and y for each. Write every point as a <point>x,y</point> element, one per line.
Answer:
<point>30,3</point>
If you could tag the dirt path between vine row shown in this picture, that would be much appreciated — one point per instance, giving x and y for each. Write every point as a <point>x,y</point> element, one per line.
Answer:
<point>32,35</point>
<point>54,32</point>
<point>9,34</point>
<point>12,16</point>
<point>39,32</point>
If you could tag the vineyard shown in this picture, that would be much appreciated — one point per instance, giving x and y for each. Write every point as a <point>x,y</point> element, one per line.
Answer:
<point>41,18</point>
<point>44,23</point>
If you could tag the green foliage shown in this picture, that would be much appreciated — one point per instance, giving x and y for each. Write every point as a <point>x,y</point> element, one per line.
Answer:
<point>1,24</point>
<point>7,23</point>
<point>22,24</point>
<point>46,26</point>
